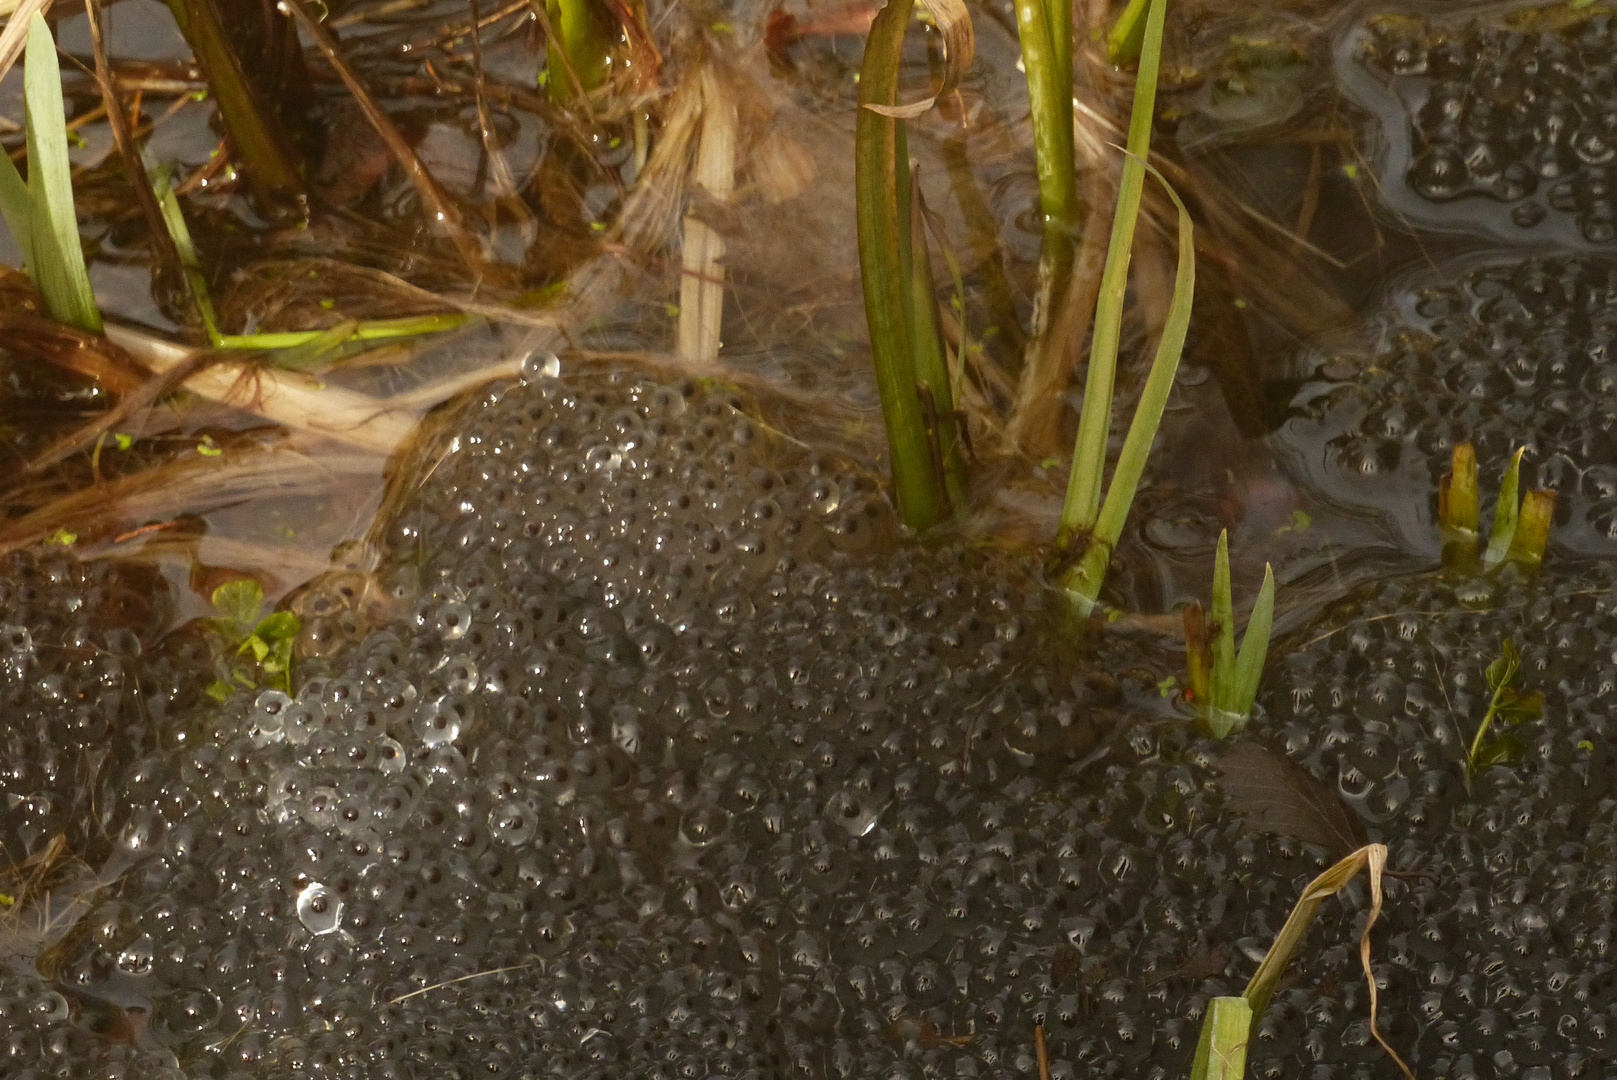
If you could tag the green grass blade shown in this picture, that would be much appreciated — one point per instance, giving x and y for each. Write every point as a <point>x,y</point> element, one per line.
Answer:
<point>1505,514</point>
<point>1082,504</point>
<point>1223,635</point>
<point>57,262</point>
<point>373,330</point>
<point>883,255</point>
<point>17,207</point>
<point>1090,570</point>
<point>585,53</point>
<point>180,233</point>
<point>1255,647</point>
<point>1221,1052</point>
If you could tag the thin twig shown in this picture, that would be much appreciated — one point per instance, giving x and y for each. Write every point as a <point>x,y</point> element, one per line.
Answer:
<point>433,197</point>
<point>452,982</point>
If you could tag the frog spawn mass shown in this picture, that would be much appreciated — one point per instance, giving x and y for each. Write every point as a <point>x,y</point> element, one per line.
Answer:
<point>1501,351</point>
<point>575,814</point>
<point>1498,122</point>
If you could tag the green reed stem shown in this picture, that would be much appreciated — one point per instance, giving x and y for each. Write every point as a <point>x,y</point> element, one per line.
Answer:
<point>1084,580</point>
<point>1082,505</point>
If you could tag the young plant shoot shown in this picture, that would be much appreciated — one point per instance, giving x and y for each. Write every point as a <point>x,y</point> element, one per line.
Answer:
<point>1223,684</point>
<point>1507,706</point>
<point>1521,523</point>
<point>40,212</point>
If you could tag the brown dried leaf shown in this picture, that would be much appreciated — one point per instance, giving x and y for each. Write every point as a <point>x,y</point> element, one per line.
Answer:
<point>1277,796</point>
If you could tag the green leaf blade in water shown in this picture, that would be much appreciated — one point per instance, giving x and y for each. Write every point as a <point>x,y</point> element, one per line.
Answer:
<point>57,259</point>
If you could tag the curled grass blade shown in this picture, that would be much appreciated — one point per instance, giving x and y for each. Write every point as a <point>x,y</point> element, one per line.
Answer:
<point>1090,570</point>
<point>1505,514</point>
<point>1127,35</point>
<point>1082,503</point>
<point>881,182</point>
<point>57,260</point>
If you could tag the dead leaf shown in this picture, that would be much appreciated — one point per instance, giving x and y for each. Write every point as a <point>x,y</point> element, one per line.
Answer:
<point>1277,796</point>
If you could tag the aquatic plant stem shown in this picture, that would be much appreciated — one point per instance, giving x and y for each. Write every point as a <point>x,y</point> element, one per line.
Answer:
<point>701,283</point>
<point>1083,580</point>
<point>255,133</point>
<point>880,160</point>
<point>1082,504</point>
<point>1045,29</point>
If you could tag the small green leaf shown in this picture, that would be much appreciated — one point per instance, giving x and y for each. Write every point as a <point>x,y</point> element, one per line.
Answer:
<point>239,602</point>
<point>255,645</point>
<point>1522,707</point>
<point>1255,646</point>
<point>219,690</point>
<point>1506,747</point>
<point>208,448</point>
<point>280,626</point>
<point>124,441</point>
<point>63,537</point>
<point>1585,744</point>
<point>1503,668</point>
<point>1169,686</point>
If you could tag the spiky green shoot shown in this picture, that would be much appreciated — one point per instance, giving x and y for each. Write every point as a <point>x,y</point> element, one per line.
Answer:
<point>1223,683</point>
<point>1521,522</point>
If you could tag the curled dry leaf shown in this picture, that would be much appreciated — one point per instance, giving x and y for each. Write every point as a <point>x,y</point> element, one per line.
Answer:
<point>959,46</point>
<point>1277,796</point>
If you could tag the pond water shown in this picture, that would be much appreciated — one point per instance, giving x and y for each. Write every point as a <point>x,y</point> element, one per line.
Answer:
<point>626,732</point>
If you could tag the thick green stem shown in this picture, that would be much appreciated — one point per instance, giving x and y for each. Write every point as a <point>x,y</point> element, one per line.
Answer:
<point>1047,56</point>
<point>255,134</point>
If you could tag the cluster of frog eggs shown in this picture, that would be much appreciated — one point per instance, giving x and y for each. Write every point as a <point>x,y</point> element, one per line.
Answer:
<point>1507,352</point>
<point>664,777</point>
<point>1518,114</point>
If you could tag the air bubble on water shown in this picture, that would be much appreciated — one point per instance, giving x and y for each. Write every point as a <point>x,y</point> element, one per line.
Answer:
<point>540,364</point>
<point>319,909</point>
